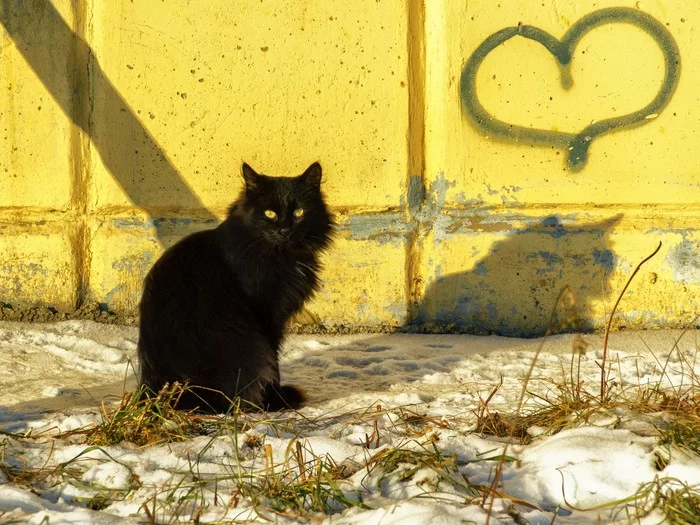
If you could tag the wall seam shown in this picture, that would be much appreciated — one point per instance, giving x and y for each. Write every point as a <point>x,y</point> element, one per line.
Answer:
<point>80,152</point>
<point>415,185</point>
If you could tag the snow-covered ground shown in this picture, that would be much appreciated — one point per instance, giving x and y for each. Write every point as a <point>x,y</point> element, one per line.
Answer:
<point>390,430</point>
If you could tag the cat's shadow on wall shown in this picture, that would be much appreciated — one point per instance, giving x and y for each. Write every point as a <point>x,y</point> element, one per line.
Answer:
<point>515,288</point>
<point>549,276</point>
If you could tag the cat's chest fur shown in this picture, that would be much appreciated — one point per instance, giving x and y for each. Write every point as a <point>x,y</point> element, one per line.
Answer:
<point>275,283</point>
<point>281,288</point>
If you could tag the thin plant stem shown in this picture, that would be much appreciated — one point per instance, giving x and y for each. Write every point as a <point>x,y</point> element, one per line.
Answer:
<point>612,314</point>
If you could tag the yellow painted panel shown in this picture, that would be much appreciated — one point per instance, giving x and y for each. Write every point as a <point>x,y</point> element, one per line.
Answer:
<point>37,266</point>
<point>207,85</point>
<point>667,289</point>
<point>363,282</point>
<point>35,136</point>
<point>616,69</point>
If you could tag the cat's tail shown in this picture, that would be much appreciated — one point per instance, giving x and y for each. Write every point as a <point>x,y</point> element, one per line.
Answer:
<point>281,397</point>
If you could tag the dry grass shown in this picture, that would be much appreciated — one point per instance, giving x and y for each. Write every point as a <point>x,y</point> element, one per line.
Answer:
<point>674,412</point>
<point>308,486</point>
<point>679,503</point>
<point>302,484</point>
<point>146,420</point>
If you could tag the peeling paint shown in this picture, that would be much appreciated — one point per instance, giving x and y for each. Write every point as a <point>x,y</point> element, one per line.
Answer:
<point>604,258</point>
<point>549,258</point>
<point>109,297</point>
<point>28,283</point>
<point>397,310</point>
<point>434,202</point>
<point>151,223</point>
<point>416,193</point>
<point>386,228</point>
<point>684,260</point>
<point>135,264</point>
<point>514,287</point>
<point>480,269</point>
<point>24,268</point>
<point>18,279</point>
<point>683,232</point>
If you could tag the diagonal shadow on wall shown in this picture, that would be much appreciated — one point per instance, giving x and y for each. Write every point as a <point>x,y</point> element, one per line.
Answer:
<point>514,289</point>
<point>126,147</point>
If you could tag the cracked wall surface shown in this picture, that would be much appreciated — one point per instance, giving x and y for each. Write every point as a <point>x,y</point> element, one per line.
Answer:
<point>494,167</point>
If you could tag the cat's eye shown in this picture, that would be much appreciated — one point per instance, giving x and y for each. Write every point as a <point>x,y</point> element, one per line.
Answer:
<point>270,214</point>
<point>299,213</point>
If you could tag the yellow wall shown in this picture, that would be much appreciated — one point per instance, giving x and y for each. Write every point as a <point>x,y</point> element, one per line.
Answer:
<point>123,126</point>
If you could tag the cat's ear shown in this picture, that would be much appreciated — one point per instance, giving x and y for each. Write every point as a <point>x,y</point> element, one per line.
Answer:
<point>312,175</point>
<point>249,176</point>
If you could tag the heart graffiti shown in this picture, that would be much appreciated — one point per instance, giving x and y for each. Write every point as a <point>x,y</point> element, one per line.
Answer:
<point>577,144</point>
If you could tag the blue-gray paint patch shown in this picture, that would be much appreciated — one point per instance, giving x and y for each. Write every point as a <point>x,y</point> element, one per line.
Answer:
<point>683,232</point>
<point>535,262</point>
<point>13,277</point>
<point>558,229</point>
<point>490,190</point>
<point>434,201</point>
<point>157,222</point>
<point>461,198</point>
<point>23,268</point>
<point>438,189</point>
<point>398,310</point>
<point>684,260</point>
<point>480,268</point>
<point>384,229</point>
<point>431,212</point>
<point>107,301</point>
<point>416,193</point>
<point>578,259</point>
<point>549,258</point>
<point>472,221</point>
<point>140,263</point>
<point>604,258</point>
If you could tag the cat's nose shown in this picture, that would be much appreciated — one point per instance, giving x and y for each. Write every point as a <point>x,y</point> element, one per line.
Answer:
<point>285,232</point>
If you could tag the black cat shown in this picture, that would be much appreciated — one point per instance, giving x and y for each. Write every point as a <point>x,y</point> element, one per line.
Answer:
<point>215,305</point>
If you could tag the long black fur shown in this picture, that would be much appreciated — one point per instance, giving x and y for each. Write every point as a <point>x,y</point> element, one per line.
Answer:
<point>215,305</point>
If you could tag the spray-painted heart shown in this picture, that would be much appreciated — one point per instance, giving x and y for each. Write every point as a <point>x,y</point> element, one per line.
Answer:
<point>576,143</point>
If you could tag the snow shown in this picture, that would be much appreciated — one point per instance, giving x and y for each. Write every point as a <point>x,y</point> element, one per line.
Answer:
<point>568,468</point>
<point>395,414</point>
